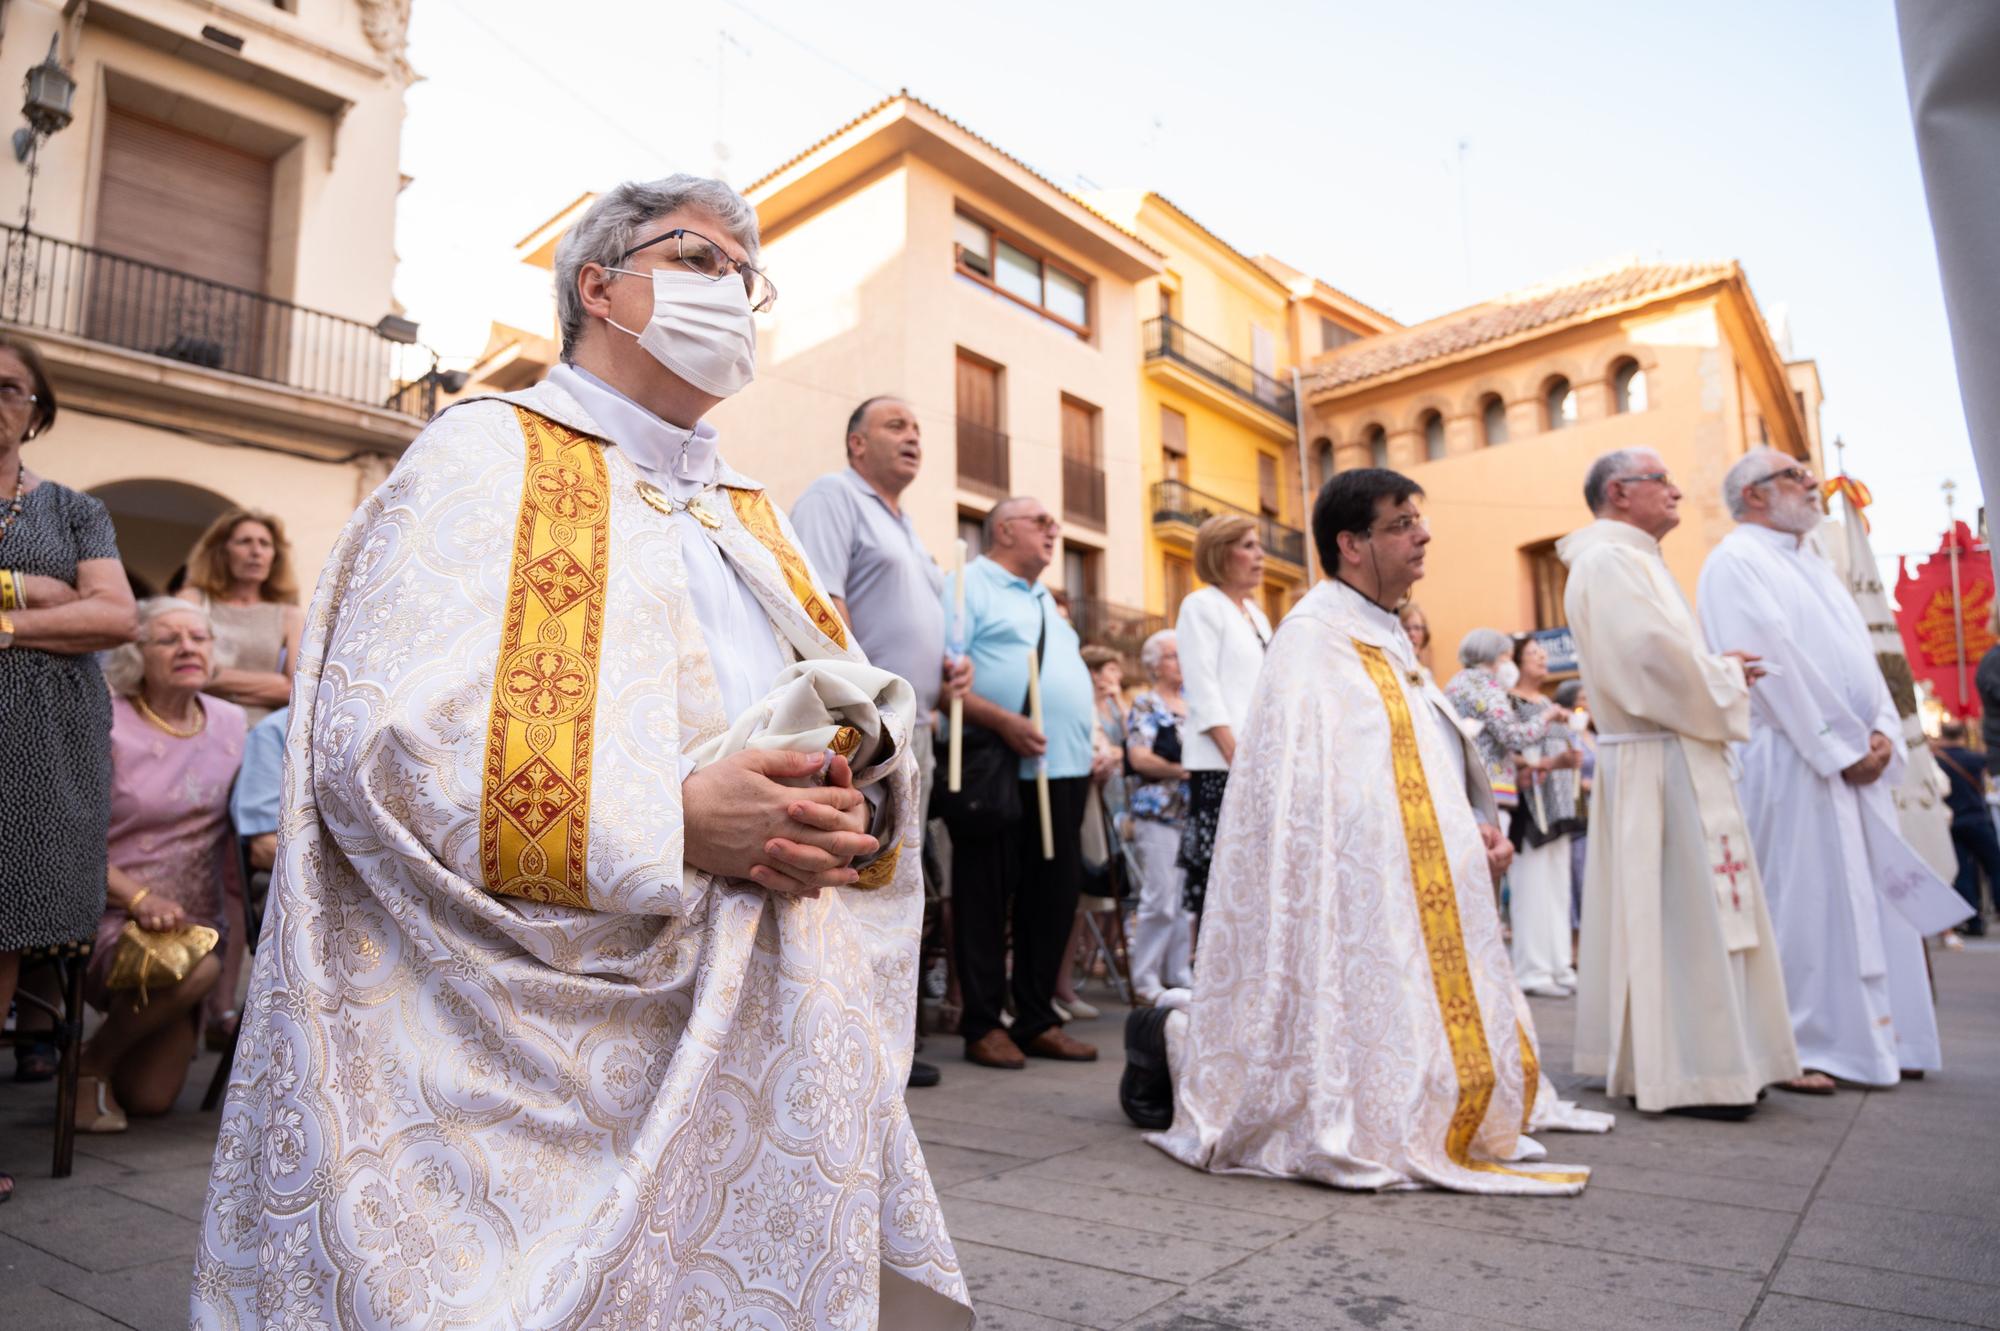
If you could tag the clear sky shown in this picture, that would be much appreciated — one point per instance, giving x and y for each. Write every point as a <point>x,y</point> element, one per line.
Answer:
<point>1328,134</point>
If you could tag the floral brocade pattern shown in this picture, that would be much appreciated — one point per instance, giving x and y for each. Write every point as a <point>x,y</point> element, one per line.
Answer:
<point>675,1105</point>
<point>1344,946</point>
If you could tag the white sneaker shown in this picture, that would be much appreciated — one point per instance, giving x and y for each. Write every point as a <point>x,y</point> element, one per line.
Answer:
<point>1176,997</point>
<point>1075,1009</point>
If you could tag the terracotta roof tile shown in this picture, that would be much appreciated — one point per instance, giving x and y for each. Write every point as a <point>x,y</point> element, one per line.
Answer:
<point>1509,316</point>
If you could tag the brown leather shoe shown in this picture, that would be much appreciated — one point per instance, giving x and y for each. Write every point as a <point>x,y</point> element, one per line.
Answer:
<point>995,1050</point>
<point>1058,1043</point>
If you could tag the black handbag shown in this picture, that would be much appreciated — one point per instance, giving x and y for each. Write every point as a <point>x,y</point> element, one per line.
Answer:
<point>988,799</point>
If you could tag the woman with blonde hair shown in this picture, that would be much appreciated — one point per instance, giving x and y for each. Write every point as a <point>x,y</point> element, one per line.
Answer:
<point>1417,625</point>
<point>240,571</point>
<point>171,858</point>
<point>1221,633</point>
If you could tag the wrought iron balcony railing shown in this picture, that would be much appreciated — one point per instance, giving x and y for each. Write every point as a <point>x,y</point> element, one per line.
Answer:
<point>1083,491</point>
<point>982,457</point>
<point>61,287</point>
<point>1176,501</point>
<point>1170,340</point>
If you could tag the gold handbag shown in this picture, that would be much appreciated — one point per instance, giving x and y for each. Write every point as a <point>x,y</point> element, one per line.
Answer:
<point>145,957</point>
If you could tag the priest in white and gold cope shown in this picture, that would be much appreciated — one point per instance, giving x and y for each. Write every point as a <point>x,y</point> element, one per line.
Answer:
<point>1354,1017</point>
<point>577,1004</point>
<point>1680,998</point>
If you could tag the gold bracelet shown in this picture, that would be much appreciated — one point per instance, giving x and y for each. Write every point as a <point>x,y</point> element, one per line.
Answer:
<point>10,590</point>
<point>133,904</point>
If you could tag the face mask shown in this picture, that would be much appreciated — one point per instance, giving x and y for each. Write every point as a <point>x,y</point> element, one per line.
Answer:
<point>700,329</point>
<point>1508,674</point>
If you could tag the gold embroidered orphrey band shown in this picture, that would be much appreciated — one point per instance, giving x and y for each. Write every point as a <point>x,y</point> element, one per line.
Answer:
<point>1444,939</point>
<point>534,811</point>
<point>754,511</point>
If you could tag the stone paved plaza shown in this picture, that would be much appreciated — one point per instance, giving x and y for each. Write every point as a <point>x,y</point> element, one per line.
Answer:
<point>1873,1211</point>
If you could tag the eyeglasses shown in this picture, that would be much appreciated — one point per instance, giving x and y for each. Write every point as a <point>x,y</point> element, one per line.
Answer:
<point>1042,521</point>
<point>1662,477</point>
<point>703,257</point>
<point>1794,473</point>
<point>1402,526</point>
<point>13,395</point>
<point>186,637</point>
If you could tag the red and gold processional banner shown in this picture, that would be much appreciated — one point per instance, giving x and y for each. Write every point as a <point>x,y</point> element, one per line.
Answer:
<point>1944,646</point>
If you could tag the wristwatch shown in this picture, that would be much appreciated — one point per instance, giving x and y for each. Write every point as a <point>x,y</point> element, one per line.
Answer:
<point>6,630</point>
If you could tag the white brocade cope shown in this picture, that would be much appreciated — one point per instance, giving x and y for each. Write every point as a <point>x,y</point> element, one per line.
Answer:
<point>677,1106</point>
<point>1354,1018</point>
<point>1680,996</point>
<point>1830,853</point>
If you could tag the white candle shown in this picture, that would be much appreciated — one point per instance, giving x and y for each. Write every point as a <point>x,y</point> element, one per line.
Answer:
<point>957,647</point>
<point>1041,763</point>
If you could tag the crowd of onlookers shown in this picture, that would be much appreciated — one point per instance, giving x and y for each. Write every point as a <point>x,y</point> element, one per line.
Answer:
<point>144,788</point>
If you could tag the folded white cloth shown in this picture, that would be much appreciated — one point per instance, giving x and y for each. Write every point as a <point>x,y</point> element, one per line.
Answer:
<point>812,704</point>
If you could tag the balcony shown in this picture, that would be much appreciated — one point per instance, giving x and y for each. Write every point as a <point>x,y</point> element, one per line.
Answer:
<point>1174,343</point>
<point>1176,504</point>
<point>67,291</point>
<point>982,458</point>
<point>1083,492</point>
<point>1122,628</point>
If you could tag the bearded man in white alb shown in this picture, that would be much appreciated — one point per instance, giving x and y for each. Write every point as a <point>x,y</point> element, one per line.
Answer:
<point>1824,756</point>
<point>1680,999</point>
<point>1354,1017</point>
<point>585,999</point>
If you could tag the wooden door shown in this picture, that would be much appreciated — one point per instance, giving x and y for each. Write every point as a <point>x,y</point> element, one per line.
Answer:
<point>982,448</point>
<point>185,225</point>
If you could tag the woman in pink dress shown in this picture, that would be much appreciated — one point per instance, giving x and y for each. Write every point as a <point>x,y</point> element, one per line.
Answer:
<point>174,753</point>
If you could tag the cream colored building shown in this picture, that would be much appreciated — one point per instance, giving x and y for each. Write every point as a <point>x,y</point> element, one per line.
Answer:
<point>914,258</point>
<point>207,268</point>
<point>1498,410</point>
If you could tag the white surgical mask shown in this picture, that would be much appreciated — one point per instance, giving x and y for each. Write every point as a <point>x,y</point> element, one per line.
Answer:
<point>700,329</point>
<point>1508,674</point>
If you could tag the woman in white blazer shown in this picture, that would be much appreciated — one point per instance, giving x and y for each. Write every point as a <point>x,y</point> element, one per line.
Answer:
<point>1221,633</point>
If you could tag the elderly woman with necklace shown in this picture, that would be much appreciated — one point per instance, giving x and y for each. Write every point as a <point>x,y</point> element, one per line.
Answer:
<point>63,596</point>
<point>174,754</point>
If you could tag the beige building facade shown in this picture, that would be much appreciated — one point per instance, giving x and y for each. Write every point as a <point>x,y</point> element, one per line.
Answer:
<point>1499,409</point>
<point>916,259</point>
<point>208,263</point>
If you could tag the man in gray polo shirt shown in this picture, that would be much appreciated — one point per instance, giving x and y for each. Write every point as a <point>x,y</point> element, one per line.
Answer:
<point>884,583</point>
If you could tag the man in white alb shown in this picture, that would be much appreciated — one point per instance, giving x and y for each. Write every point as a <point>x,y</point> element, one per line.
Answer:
<point>1824,755</point>
<point>1680,999</point>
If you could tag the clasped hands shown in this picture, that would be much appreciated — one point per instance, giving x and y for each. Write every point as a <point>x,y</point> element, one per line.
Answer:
<point>1868,768</point>
<point>741,822</point>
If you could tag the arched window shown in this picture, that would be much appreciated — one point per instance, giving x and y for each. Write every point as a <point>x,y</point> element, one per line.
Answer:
<point>1322,462</point>
<point>1493,419</point>
<point>1378,446</point>
<point>1433,436</point>
<point>1559,403</point>
<point>1628,387</point>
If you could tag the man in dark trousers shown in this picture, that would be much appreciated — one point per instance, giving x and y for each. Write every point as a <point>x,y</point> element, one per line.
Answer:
<point>1972,834</point>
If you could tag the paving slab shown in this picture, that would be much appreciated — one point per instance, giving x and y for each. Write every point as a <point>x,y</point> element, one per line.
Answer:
<point>1865,1209</point>
<point>1910,1295</point>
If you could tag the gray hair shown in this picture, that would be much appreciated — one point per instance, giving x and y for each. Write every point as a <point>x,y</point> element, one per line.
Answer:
<point>1483,647</point>
<point>1568,692</point>
<point>125,665</point>
<point>1155,647</point>
<point>611,225</point>
<point>1610,467</point>
<point>989,527</point>
<point>1753,468</point>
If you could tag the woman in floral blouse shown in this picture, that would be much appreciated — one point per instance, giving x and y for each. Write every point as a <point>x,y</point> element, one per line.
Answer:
<point>1156,804</point>
<point>1502,733</point>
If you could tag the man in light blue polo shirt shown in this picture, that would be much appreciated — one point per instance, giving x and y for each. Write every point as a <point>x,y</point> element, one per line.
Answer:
<point>883,582</point>
<point>998,868</point>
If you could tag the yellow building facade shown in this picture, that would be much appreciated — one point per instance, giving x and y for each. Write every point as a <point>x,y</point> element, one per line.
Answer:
<point>1499,409</point>
<point>1218,418</point>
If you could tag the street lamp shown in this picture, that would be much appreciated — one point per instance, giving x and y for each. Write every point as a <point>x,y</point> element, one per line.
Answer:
<point>50,90</point>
